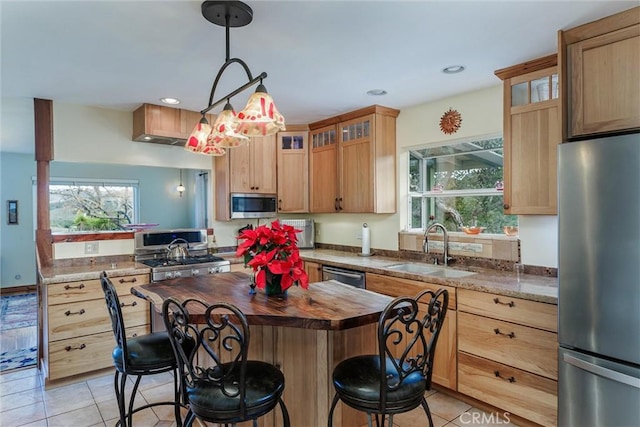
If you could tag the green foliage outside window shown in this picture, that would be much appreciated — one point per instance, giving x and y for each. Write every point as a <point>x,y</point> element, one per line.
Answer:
<point>458,185</point>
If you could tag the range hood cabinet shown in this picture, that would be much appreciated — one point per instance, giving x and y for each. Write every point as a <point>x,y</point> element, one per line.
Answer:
<point>164,125</point>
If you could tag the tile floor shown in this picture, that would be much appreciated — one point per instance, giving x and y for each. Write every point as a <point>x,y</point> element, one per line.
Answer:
<point>24,402</point>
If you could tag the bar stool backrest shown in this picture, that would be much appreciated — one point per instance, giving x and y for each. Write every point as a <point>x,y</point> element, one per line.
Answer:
<point>221,333</point>
<point>408,331</point>
<point>115,313</point>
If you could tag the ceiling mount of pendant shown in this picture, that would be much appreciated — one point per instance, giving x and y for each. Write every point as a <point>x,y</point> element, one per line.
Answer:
<point>240,14</point>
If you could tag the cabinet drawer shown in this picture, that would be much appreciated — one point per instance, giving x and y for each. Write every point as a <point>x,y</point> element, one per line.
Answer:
<point>530,349</point>
<point>524,312</point>
<point>395,286</point>
<point>85,354</point>
<point>527,395</point>
<point>91,317</point>
<point>83,290</point>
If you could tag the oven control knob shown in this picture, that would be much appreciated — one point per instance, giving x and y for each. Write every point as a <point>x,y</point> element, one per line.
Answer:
<point>195,272</point>
<point>168,275</point>
<point>213,270</point>
<point>177,274</point>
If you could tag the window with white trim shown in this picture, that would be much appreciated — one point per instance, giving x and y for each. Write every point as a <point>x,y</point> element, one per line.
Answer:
<point>92,204</point>
<point>458,184</point>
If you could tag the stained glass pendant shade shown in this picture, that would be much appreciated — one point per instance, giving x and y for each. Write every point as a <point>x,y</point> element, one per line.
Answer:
<point>260,117</point>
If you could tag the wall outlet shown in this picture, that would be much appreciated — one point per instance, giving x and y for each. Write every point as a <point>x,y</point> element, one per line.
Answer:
<point>91,247</point>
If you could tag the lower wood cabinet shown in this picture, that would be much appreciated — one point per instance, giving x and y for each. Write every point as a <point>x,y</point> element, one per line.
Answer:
<point>314,271</point>
<point>445,363</point>
<point>507,354</point>
<point>77,332</point>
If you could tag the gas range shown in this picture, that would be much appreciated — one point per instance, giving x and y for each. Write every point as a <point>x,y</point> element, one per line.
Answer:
<point>151,250</point>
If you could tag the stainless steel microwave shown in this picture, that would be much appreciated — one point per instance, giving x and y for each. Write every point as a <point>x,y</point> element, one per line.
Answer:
<point>250,205</point>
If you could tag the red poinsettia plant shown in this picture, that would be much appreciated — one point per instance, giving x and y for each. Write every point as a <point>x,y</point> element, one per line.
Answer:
<point>273,249</point>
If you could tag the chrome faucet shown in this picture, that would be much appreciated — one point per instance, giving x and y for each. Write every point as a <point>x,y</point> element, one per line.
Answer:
<point>425,246</point>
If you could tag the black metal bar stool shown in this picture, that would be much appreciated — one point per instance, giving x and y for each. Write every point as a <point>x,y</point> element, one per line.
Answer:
<point>221,385</point>
<point>395,380</point>
<point>138,356</point>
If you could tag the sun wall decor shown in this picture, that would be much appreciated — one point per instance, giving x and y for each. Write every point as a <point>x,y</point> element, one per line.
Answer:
<point>450,121</point>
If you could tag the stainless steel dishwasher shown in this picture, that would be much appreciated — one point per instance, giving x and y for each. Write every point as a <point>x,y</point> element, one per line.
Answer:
<point>348,277</point>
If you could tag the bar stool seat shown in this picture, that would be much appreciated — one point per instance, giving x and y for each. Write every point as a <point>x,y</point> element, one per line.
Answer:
<point>394,380</point>
<point>357,381</point>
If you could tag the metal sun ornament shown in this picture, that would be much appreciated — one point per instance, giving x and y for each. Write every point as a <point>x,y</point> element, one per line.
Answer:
<point>450,121</point>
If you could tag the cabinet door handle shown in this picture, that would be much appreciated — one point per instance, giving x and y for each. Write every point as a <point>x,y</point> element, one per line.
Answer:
<point>134,280</point>
<point>510,334</point>
<point>80,347</point>
<point>510,379</point>
<point>335,204</point>
<point>279,204</point>
<point>67,287</point>
<point>133,304</point>
<point>340,203</point>
<point>510,303</point>
<point>505,206</point>
<point>69,312</point>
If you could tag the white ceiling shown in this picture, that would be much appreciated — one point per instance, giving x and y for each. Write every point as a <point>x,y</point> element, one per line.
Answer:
<point>320,56</point>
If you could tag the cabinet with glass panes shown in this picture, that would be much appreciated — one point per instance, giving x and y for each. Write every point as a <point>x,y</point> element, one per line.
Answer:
<point>352,162</point>
<point>531,131</point>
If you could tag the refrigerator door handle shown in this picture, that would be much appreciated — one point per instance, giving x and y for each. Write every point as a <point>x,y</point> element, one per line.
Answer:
<point>603,372</point>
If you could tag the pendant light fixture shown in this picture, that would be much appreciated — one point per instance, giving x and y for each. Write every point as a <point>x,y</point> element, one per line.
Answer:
<point>260,117</point>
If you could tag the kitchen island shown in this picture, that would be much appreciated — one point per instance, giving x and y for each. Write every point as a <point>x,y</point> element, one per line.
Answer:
<point>305,334</point>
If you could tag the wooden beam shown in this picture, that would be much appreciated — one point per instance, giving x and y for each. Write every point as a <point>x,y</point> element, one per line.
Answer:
<point>43,121</point>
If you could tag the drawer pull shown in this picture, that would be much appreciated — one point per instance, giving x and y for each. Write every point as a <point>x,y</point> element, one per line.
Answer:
<point>134,280</point>
<point>133,304</point>
<point>69,312</point>
<point>67,287</point>
<point>80,347</point>
<point>510,303</point>
<point>510,334</point>
<point>510,379</point>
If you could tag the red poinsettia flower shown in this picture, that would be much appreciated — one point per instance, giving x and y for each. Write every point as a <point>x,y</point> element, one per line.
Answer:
<point>274,249</point>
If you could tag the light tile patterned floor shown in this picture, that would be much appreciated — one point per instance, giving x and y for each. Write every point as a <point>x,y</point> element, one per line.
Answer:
<point>24,402</point>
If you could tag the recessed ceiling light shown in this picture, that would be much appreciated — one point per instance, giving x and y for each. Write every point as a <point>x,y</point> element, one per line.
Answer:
<point>453,69</point>
<point>376,92</point>
<point>170,101</point>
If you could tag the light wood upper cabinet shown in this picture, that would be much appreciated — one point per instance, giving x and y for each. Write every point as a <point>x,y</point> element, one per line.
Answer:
<point>253,166</point>
<point>323,170</point>
<point>599,62</point>
<point>531,136</point>
<point>293,171</point>
<point>165,125</point>
<point>364,148</point>
<point>249,168</point>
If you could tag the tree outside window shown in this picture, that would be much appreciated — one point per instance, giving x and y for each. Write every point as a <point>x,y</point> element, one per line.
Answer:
<point>458,184</point>
<point>92,206</point>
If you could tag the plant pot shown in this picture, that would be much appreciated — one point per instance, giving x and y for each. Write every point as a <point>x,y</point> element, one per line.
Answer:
<point>272,287</point>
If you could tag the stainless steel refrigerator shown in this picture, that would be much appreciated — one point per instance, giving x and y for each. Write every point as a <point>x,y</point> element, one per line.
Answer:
<point>599,282</point>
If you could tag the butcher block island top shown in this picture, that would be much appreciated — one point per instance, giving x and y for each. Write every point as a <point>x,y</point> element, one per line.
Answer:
<point>328,305</point>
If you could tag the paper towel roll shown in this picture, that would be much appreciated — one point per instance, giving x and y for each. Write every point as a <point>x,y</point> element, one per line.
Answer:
<point>366,239</point>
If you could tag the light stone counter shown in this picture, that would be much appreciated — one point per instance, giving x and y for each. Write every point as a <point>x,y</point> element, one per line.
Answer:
<point>529,287</point>
<point>50,275</point>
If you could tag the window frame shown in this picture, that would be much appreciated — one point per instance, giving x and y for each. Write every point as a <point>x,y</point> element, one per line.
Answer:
<point>425,195</point>
<point>83,181</point>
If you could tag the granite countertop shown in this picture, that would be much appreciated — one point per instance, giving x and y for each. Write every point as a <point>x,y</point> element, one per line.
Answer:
<point>529,287</point>
<point>50,275</point>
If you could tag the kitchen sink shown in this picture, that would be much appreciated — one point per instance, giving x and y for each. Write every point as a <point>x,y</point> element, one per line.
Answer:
<point>430,270</point>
